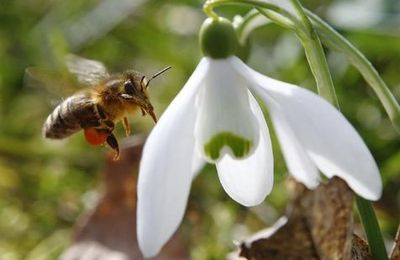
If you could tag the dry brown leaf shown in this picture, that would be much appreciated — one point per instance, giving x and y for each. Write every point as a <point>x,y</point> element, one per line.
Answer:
<point>328,212</point>
<point>319,226</point>
<point>290,241</point>
<point>360,250</point>
<point>109,232</point>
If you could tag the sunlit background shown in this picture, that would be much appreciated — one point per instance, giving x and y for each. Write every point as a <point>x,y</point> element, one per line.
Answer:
<point>46,185</point>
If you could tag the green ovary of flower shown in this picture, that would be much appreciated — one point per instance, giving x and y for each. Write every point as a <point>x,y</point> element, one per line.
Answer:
<point>238,145</point>
<point>218,38</point>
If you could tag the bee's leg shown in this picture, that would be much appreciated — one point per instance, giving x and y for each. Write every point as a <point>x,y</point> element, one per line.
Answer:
<point>109,125</point>
<point>153,116</point>
<point>127,127</point>
<point>100,111</point>
<point>113,143</point>
<point>143,111</point>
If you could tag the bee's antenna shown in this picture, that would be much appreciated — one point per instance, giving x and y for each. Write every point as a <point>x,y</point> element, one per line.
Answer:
<point>157,74</point>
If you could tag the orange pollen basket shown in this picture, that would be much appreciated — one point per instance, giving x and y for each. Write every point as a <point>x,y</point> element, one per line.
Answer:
<point>94,136</point>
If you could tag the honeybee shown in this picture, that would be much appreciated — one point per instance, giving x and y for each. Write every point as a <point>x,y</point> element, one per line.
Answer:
<point>97,109</point>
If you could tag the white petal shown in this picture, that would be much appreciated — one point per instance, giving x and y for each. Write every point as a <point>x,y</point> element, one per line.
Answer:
<point>297,160</point>
<point>198,163</point>
<point>248,181</point>
<point>326,135</point>
<point>166,169</point>
<point>225,122</point>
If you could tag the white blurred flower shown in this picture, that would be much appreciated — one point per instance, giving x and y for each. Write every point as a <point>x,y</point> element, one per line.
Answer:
<point>215,118</point>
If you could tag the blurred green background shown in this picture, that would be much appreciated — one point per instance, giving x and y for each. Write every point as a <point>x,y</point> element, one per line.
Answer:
<point>46,185</point>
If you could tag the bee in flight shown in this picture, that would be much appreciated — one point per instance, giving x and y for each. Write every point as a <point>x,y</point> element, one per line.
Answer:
<point>96,109</point>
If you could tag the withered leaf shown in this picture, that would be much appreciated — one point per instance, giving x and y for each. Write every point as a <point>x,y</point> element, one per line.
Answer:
<point>289,241</point>
<point>359,249</point>
<point>319,226</point>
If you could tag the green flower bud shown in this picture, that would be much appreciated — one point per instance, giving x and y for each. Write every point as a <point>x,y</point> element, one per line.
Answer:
<point>218,38</point>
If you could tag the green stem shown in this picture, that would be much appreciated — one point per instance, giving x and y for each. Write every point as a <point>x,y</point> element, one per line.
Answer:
<point>371,226</point>
<point>316,57</point>
<point>319,67</point>
<point>243,25</point>
<point>211,4</point>
<point>277,18</point>
<point>336,41</point>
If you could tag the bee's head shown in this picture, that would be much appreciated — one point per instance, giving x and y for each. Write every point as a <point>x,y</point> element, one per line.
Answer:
<point>134,87</point>
<point>134,90</point>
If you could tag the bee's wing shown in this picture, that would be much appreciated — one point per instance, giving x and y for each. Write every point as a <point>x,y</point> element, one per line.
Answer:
<point>54,82</point>
<point>66,79</point>
<point>88,72</point>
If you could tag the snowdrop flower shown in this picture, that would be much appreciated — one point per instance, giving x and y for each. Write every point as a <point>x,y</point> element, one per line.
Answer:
<point>215,118</point>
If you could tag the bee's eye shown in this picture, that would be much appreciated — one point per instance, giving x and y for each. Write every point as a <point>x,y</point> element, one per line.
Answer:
<point>129,88</point>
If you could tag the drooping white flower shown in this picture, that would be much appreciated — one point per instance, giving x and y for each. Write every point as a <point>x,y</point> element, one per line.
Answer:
<point>215,118</point>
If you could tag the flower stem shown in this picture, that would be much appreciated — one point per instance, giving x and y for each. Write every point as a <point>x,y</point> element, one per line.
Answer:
<point>243,25</point>
<point>319,67</point>
<point>209,5</point>
<point>247,22</point>
<point>371,226</point>
<point>316,57</point>
<point>276,18</point>
<point>336,41</point>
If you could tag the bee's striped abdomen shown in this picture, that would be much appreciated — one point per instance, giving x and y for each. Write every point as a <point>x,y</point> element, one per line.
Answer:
<point>69,116</point>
